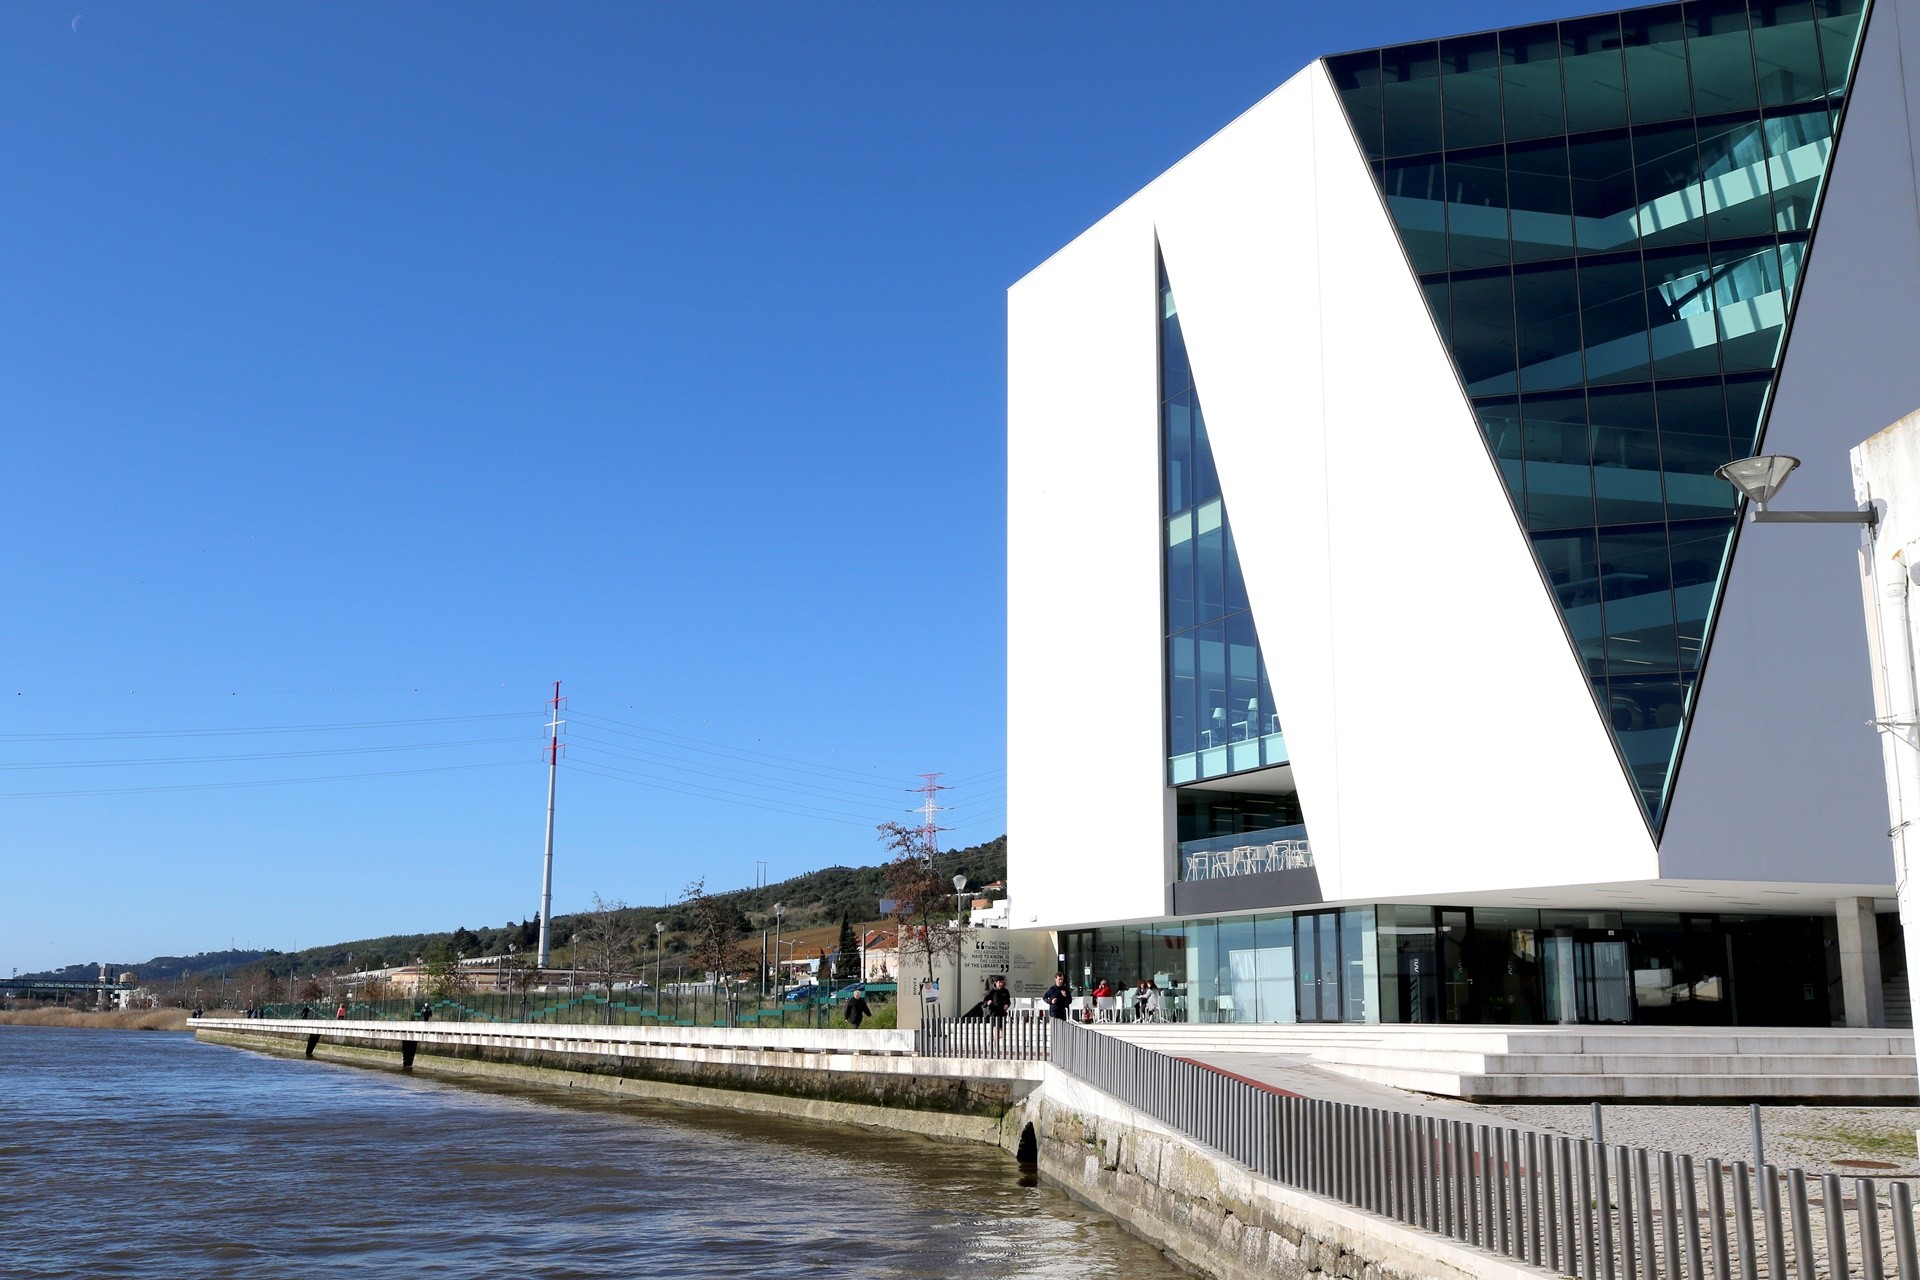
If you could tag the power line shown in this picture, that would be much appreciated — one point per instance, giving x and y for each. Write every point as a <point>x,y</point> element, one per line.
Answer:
<point>21,766</point>
<point>674,763</point>
<point>638,781</point>
<point>136,734</point>
<point>721,749</point>
<point>259,782</point>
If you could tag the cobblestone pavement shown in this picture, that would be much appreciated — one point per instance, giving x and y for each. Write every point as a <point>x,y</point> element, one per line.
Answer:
<point>1858,1142</point>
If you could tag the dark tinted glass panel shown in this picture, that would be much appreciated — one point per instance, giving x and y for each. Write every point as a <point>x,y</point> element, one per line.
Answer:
<point>1470,91</point>
<point>1594,73</point>
<point>1721,51</point>
<point>1737,187</point>
<point>1666,168</point>
<point>1786,50</point>
<point>1530,83</point>
<point>1542,200</point>
<point>1656,46</point>
<point>1547,325</point>
<point>1477,233</point>
<point>1483,333</point>
<point>1609,216</point>
<point>1603,199</point>
<point>1416,193</point>
<point>1410,99</point>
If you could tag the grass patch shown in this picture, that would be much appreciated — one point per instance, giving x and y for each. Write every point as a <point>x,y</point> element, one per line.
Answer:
<point>1892,1144</point>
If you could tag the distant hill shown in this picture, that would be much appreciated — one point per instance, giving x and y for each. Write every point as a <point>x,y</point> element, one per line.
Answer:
<point>816,898</point>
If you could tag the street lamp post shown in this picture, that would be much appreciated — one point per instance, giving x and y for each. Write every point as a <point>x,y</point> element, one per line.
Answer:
<point>959,899</point>
<point>777,910</point>
<point>659,930</point>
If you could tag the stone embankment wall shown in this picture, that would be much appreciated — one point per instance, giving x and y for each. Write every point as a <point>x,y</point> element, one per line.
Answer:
<point>809,1076</point>
<point>1217,1216</point>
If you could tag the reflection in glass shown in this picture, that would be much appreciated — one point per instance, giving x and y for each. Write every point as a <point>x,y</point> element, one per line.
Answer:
<point>1608,217</point>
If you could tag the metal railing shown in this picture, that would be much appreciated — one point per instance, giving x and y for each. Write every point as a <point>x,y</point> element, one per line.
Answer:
<point>1024,1036</point>
<point>584,1008</point>
<point>1569,1205</point>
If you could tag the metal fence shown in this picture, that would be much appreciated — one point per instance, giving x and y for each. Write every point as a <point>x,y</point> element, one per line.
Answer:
<point>1016,1036</point>
<point>585,1008</point>
<point>1571,1206</point>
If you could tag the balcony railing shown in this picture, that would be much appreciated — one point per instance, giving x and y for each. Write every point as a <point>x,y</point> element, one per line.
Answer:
<point>1246,853</point>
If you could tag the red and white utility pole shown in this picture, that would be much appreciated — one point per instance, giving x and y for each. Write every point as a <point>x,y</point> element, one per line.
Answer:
<point>546,875</point>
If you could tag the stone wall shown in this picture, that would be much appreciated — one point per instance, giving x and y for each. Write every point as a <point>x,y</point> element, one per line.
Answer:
<point>1217,1216</point>
<point>936,1098</point>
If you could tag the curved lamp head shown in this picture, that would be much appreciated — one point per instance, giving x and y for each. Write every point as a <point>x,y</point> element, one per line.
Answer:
<point>1758,479</point>
<point>959,884</point>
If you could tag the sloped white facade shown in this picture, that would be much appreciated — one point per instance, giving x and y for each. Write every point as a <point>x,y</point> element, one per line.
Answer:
<point>1444,738</point>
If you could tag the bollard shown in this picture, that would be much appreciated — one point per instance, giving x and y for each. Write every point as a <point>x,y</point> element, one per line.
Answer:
<point>1743,1223</point>
<point>1669,1227</point>
<point>1591,1218</point>
<point>1627,1251</point>
<point>1802,1226</point>
<point>1906,1258</point>
<point>1717,1222</point>
<point>1690,1217</point>
<point>1867,1202</point>
<point>1603,1209</point>
<point>1769,1179</point>
<point>1643,1210</point>
<point>1836,1215</point>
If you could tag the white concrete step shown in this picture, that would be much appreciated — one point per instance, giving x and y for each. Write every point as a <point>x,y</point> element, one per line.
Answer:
<point>1576,1063</point>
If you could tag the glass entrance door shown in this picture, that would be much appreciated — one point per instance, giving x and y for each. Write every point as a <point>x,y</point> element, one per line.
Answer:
<point>1584,978</point>
<point>1317,966</point>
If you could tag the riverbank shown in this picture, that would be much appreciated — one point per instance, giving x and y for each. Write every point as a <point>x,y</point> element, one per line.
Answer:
<point>110,1020</point>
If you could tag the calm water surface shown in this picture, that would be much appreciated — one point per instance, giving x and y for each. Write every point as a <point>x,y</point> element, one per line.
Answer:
<point>150,1154</point>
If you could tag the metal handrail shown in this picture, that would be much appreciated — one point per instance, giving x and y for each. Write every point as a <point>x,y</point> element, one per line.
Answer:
<point>1573,1206</point>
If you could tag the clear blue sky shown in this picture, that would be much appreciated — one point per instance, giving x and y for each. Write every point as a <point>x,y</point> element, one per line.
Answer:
<point>369,364</point>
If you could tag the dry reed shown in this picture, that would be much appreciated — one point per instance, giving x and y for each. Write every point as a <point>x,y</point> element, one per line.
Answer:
<point>115,1019</point>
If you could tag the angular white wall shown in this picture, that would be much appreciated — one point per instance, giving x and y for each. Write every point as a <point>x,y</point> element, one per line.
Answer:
<point>1444,738</point>
<point>1781,776</point>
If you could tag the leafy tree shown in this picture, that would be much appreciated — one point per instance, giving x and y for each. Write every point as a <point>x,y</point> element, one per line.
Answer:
<point>848,969</point>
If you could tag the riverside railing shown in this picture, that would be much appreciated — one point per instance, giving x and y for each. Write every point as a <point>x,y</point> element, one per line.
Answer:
<point>1016,1036</point>
<point>589,1008</point>
<point>1569,1205</point>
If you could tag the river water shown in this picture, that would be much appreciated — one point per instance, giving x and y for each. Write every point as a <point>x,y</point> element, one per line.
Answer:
<point>140,1153</point>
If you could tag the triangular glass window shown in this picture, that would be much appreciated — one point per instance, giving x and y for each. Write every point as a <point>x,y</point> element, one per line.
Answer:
<point>1220,713</point>
<point>1608,216</point>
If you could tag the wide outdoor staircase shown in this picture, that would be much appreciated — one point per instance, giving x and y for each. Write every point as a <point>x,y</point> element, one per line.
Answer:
<point>1546,1064</point>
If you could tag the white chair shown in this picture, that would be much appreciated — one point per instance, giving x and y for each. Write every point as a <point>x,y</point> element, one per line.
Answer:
<point>1107,1008</point>
<point>1224,1004</point>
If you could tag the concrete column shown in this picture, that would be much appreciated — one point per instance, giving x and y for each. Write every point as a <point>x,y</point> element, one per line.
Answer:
<point>1860,963</point>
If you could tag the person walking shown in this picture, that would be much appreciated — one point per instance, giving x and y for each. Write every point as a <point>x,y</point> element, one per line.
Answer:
<point>997,1002</point>
<point>1058,998</point>
<point>858,1010</point>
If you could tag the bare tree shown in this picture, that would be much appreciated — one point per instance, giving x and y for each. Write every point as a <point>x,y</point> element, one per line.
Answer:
<point>920,896</point>
<point>606,944</point>
<point>713,927</point>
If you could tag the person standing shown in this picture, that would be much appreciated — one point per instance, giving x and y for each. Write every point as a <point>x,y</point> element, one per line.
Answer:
<point>1058,998</point>
<point>858,1010</point>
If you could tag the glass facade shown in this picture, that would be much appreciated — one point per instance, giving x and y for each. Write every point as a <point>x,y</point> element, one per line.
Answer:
<point>1512,965</point>
<point>1609,217</point>
<point>1220,712</point>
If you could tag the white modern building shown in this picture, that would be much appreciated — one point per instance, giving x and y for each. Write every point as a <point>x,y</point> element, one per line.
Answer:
<point>1382,644</point>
